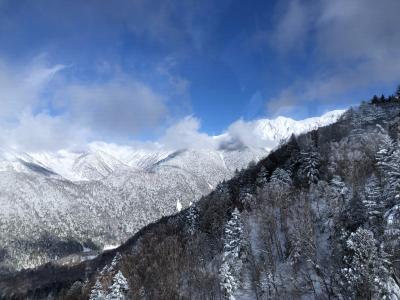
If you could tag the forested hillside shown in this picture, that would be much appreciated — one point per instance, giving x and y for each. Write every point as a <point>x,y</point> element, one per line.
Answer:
<point>317,219</point>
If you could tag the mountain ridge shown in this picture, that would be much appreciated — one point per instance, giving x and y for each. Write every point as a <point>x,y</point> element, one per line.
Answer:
<point>299,224</point>
<point>66,163</point>
<point>108,200</point>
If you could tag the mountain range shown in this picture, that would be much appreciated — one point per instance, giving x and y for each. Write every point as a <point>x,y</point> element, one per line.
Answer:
<point>56,204</point>
<point>317,218</point>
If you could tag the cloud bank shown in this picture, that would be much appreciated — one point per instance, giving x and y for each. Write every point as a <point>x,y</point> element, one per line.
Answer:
<point>42,110</point>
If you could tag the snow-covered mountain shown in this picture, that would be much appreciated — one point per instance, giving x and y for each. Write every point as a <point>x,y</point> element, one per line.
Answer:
<point>282,127</point>
<point>102,159</point>
<point>316,219</point>
<point>54,204</point>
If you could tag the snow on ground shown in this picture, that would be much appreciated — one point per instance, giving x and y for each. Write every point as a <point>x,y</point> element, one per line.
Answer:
<point>110,247</point>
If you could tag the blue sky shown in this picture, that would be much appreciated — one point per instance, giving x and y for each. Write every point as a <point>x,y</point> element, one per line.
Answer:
<point>126,70</point>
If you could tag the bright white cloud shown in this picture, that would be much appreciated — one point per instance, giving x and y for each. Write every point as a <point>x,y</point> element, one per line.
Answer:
<point>242,133</point>
<point>186,134</point>
<point>43,132</point>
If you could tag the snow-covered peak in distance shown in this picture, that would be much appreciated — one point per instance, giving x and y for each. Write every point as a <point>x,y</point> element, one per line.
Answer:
<point>11,160</point>
<point>282,128</point>
<point>268,133</point>
<point>101,159</point>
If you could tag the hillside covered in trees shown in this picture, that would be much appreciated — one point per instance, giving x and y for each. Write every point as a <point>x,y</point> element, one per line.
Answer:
<point>317,219</point>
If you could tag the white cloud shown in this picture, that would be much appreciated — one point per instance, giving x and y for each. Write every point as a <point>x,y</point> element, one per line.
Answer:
<point>39,113</point>
<point>39,75</point>
<point>290,32</point>
<point>43,132</point>
<point>242,133</point>
<point>21,87</point>
<point>354,46</point>
<point>121,107</point>
<point>186,134</point>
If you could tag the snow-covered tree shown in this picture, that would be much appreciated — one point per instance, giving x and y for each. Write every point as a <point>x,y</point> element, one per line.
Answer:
<point>387,146</point>
<point>373,198</point>
<point>339,194</point>
<point>366,274</point>
<point>233,234</point>
<point>368,113</point>
<point>393,175</point>
<point>231,262</point>
<point>310,163</point>
<point>119,288</point>
<point>112,267</point>
<point>281,177</point>
<point>388,161</point>
<point>229,282</point>
<point>246,195</point>
<point>266,285</point>
<point>339,186</point>
<point>97,292</point>
<point>392,231</point>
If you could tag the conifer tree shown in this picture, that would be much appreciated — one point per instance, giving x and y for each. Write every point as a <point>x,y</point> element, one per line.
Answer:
<point>231,262</point>
<point>388,160</point>
<point>113,265</point>
<point>280,177</point>
<point>97,292</point>
<point>119,288</point>
<point>339,195</point>
<point>373,199</point>
<point>366,274</point>
<point>368,114</point>
<point>310,164</point>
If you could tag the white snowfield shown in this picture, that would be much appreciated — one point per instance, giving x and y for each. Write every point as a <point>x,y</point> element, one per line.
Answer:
<point>105,194</point>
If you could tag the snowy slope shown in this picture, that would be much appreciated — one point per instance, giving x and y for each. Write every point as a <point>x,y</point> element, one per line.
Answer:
<point>282,127</point>
<point>96,165</point>
<point>13,161</point>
